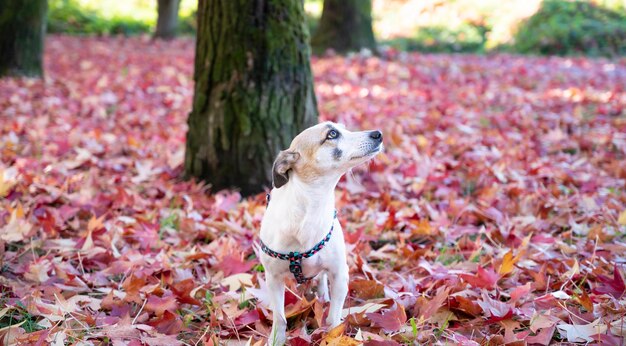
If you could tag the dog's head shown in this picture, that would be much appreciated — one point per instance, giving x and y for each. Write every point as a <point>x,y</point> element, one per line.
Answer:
<point>325,150</point>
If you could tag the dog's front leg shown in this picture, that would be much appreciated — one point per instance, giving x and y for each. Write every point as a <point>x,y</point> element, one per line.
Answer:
<point>338,293</point>
<point>276,286</point>
<point>322,288</point>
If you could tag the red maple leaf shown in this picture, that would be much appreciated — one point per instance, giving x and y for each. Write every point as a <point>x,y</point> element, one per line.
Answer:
<point>248,318</point>
<point>169,323</point>
<point>483,278</point>
<point>390,320</point>
<point>182,291</point>
<point>160,305</point>
<point>614,287</point>
<point>233,265</point>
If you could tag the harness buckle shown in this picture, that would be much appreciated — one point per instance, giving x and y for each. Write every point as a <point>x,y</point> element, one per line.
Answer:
<point>295,267</point>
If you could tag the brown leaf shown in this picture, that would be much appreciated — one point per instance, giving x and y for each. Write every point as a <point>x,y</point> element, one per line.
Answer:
<point>426,311</point>
<point>367,289</point>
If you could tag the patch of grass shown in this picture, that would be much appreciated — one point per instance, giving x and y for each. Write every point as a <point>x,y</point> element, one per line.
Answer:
<point>448,257</point>
<point>171,221</point>
<point>259,268</point>
<point>17,315</point>
<point>129,17</point>
<point>439,331</point>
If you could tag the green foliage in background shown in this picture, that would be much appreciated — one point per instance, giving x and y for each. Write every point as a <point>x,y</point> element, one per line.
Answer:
<point>572,27</point>
<point>559,26</point>
<point>440,39</point>
<point>129,17</point>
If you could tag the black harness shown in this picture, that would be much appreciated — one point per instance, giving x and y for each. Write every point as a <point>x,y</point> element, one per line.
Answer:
<point>295,257</point>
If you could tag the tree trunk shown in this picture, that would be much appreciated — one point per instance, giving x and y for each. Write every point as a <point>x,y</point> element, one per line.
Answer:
<point>345,26</point>
<point>22,31</point>
<point>253,91</point>
<point>167,20</point>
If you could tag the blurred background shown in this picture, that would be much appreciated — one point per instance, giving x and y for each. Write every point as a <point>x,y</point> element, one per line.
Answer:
<point>596,28</point>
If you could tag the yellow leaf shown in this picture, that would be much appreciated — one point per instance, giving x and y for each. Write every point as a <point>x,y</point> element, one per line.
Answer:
<point>18,228</point>
<point>95,223</point>
<point>422,141</point>
<point>508,263</point>
<point>422,227</point>
<point>343,341</point>
<point>335,337</point>
<point>621,220</point>
<point>19,212</point>
<point>6,183</point>
<point>234,282</point>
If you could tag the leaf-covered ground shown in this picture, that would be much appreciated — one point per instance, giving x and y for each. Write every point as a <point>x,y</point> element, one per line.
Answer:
<point>496,214</point>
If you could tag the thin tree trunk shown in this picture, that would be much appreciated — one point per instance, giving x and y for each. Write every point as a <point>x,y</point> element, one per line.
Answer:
<point>22,31</point>
<point>345,26</point>
<point>167,21</point>
<point>253,91</point>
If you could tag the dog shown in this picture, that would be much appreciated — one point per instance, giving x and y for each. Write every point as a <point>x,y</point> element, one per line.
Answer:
<point>301,236</point>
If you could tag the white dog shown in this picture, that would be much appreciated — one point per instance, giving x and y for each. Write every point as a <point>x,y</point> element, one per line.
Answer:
<point>300,234</point>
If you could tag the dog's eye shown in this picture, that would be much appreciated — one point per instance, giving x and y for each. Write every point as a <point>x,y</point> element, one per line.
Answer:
<point>332,134</point>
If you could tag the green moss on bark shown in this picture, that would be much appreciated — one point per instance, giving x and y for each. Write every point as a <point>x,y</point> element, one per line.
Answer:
<point>22,28</point>
<point>253,93</point>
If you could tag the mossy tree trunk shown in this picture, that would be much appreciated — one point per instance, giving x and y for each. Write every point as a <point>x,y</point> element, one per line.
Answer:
<point>253,91</point>
<point>167,20</point>
<point>22,31</point>
<point>345,26</point>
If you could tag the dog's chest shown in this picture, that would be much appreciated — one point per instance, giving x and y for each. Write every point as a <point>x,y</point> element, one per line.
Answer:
<point>312,266</point>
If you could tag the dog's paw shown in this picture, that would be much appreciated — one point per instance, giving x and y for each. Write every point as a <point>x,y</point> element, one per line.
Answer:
<point>333,322</point>
<point>277,338</point>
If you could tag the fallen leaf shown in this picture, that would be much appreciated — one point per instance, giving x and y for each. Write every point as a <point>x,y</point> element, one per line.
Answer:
<point>614,287</point>
<point>389,320</point>
<point>581,333</point>
<point>484,278</point>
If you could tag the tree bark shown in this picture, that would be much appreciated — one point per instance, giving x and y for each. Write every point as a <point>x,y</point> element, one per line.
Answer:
<point>345,26</point>
<point>167,20</point>
<point>22,31</point>
<point>253,92</point>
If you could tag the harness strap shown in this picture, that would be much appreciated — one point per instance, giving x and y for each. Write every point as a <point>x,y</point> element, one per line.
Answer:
<point>295,257</point>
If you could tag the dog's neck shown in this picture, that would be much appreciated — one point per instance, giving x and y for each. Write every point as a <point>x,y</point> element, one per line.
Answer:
<point>310,195</point>
<point>309,205</point>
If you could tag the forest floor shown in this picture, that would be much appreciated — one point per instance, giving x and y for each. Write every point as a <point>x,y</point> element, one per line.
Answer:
<point>495,215</point>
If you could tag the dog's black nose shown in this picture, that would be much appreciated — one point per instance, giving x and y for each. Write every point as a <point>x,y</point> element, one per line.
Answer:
<point>377,135</point>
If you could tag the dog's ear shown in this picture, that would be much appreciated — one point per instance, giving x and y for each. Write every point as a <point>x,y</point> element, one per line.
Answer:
<point>284,162</point>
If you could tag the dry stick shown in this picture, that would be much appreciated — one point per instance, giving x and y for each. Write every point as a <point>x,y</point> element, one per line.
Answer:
<point>233,324</point>
<point>593,255</point>
<point>140,310</point>
<point>571,313</point>
<point>294,293</point>
<point>51,328</point>
<point>85,327</point>
<point>621,329</point>
<point>80,261</point>
<point>206,329</point>
<point>255,331</point>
